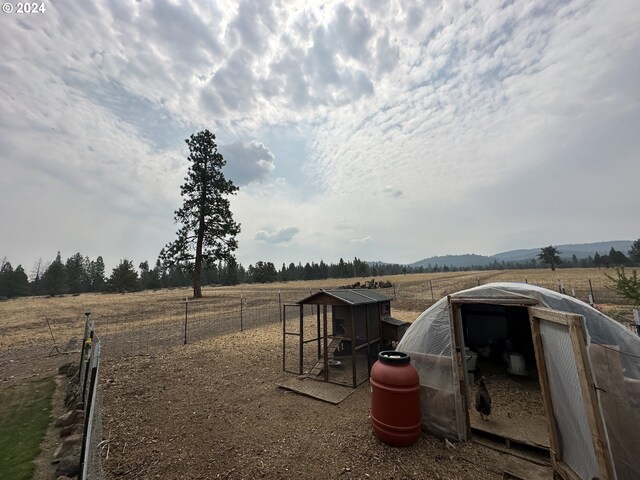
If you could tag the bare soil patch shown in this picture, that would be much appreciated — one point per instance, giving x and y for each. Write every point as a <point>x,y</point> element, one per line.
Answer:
<point>212,410</point>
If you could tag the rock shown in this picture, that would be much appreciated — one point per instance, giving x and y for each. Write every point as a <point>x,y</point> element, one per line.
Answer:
<point>68,466</point>
<point>70,418</point>
<point>73,395</point>
<point>68,369</point>
<point>70,445</point>
<point>71,429</point>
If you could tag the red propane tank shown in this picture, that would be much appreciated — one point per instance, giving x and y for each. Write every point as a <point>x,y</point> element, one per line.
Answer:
<point>395,399</point>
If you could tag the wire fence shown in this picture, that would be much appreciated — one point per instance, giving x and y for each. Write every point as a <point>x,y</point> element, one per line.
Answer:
<point>153,328</point>
<point>419,295</point>
<point>91,397</point>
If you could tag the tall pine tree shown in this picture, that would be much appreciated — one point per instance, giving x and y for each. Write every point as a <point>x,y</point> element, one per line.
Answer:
<point>208,231</point>
<point>54,279</point>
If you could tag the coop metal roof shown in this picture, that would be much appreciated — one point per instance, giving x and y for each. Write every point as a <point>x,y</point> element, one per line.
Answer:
<point>360,296</point>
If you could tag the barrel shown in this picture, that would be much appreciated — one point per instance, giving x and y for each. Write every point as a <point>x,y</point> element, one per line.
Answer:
<point>395,399</point>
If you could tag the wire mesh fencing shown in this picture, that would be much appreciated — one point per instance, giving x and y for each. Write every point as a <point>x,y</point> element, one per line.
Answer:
<point>153,327</point>
<point>91,398</point>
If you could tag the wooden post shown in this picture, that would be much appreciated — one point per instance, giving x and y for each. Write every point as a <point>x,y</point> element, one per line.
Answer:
<point>457,354</point>
<point>366,319</point>
<point>353,346</point>
<point>280,305</point>
<point>318,325</point>
<point>592,298</point>
<point>241,313</point>
<point>554,441</point>
<point>325,346</point>
<point>431,286</point>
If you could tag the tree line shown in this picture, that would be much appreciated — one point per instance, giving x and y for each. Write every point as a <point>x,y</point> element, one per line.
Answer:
<point>79,274</point>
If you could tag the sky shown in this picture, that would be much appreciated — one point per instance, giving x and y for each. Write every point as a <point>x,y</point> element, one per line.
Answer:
<point>388,130</point>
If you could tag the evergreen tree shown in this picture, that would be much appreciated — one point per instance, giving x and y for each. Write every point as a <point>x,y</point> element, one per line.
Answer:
<point>231,273</point>
<point>627,286</point>
<point>77,275</point>
<point>324,270</point>
<point>6,279</point>
<point>124,278</point>
<point>149,279</point>
<point>96,273</point>
<point>360,268</point>
<point>21,287</point>
<point>282,274</point>
<point>617,259</point>
<point>54,279</point>
<point>597,260</point>
<point>208,231</point>
<point>262,272</point>
<point>307,273</point>
<point>634,253</point>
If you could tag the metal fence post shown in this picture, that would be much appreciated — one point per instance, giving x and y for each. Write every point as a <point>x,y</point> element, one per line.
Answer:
<point>241,313</point>
<point>186,316</point>
<point>280,306</point>
<point>592,298</point>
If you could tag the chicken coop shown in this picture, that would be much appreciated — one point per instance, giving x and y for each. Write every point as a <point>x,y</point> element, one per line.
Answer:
<point>335,335</point>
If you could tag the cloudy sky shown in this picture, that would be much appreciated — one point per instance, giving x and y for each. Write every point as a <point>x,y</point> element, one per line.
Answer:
<point>384,129</point>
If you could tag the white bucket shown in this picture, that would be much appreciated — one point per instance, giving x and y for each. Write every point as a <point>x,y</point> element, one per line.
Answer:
<point>517,365</point>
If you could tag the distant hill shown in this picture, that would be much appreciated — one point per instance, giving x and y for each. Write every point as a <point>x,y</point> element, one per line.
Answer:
<point>459,261</point>
<point>582,250</point>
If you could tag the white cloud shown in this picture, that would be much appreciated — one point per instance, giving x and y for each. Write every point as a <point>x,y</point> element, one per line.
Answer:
<point>247,163</point>
<point>284,235</point>
<point>366,239</point>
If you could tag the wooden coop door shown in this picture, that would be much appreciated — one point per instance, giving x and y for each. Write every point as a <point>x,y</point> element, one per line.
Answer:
<point>578,445</point>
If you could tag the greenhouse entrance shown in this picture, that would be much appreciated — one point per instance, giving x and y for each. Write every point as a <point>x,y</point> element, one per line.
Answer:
<point>536,368</point>
<point>498,346</point>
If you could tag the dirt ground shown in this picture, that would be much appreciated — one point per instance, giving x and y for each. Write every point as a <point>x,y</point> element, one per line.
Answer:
<point>212,410</point>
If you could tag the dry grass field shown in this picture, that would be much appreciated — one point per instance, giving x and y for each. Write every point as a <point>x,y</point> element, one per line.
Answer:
<point>210,409</point>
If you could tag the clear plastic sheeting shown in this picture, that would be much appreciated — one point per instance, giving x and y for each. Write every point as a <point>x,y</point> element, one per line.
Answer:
<point>428,342</point>
<point>569,410</point>
<point>618,380</point>
<point>614,358</point>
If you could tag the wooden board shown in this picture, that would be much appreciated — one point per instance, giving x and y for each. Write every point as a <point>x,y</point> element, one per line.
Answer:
<point>534,434</point>
<point>327,392</point>
<point>318,368</point>
<point>518,469</point>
